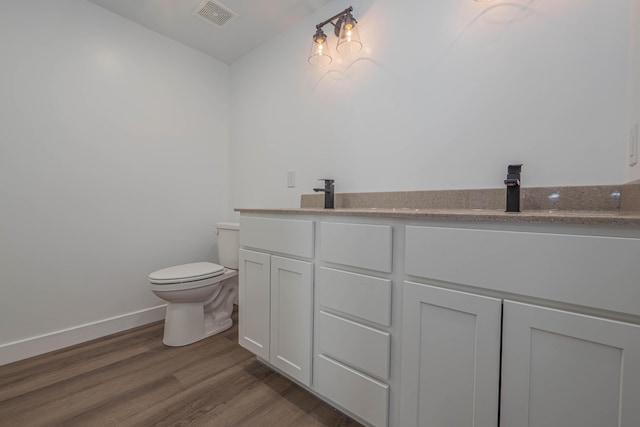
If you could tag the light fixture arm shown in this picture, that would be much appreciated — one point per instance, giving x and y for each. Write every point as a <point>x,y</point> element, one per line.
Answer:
<point>339,16</point>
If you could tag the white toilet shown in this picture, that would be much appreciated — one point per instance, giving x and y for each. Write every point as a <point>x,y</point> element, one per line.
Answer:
<point>200,295</point>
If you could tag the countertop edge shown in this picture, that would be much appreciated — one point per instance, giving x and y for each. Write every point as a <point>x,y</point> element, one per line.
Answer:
<point>558,217</point>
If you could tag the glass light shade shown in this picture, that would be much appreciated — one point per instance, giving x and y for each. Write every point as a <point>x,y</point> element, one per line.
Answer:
<point>319,55</point>
<point>349,38</point>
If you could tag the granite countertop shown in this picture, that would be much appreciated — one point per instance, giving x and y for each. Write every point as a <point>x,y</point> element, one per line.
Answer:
<point>561,217</point>
<point>597,205</point>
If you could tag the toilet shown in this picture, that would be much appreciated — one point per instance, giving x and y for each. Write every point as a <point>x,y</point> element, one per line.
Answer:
<point>200,295</point>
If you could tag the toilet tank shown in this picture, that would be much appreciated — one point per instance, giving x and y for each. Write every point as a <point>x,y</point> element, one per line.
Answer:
<point>228,244</point>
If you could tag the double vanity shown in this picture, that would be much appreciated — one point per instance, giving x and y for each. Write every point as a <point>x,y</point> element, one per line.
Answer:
<point>458,317</point>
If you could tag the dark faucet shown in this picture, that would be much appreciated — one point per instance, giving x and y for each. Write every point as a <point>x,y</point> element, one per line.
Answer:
<point>328,192</point>
<point>513,188</point>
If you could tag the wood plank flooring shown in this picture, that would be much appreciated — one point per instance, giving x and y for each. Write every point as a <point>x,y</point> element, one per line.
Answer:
<point>132,379</point>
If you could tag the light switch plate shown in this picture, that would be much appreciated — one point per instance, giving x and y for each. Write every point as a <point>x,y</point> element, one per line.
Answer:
<point>291,179</point>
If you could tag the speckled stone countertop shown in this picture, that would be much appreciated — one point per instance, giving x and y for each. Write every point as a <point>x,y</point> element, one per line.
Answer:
<point>560,217</point>
<point>597,205</point>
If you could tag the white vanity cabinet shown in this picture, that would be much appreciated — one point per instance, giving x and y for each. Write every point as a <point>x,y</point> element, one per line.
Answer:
<point>450,358</point>
<point>405,322</point>
<point>276,293</point>
<point>558,367</point>
<point>566,369</point>
<point>254,302</point>
<point>353,318</point>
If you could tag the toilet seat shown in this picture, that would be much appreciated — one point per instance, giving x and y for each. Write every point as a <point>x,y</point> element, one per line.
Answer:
<point>186,273</point>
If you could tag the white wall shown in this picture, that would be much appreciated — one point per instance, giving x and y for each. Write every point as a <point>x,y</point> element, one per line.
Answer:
<point>113,163</point>
<point>114,140</point>
<point>634,77</point>
<point>445,95</point>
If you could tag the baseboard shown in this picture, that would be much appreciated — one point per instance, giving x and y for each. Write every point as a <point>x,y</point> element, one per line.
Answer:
<point>23,349</point>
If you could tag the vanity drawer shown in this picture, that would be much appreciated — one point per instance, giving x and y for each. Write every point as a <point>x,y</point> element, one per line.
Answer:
<point>286,236</point>
<point>358,245</point>
<point>360,346</point>
<point>355,392</point>
<point>356,294</point>
<point>591,271</point>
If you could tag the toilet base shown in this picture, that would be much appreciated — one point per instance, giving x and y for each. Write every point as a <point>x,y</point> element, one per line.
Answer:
<point>212,329</point>
<point>188,322</point>
<point>185,324</point>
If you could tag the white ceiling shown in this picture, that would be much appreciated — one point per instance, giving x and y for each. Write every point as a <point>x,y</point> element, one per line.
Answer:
<point>258,21</point>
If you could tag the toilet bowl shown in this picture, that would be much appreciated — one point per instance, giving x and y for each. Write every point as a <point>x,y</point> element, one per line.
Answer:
<point>199,295</point>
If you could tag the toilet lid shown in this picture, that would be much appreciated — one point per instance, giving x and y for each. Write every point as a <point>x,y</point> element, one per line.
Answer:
<point>186,273</point>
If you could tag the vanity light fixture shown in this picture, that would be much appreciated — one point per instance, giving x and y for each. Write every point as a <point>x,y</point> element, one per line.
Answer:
<point>348,38</point>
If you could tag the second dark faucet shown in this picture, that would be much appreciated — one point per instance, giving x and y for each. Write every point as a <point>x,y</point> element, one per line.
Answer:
<point>328,192</point>
<point>513,188</point>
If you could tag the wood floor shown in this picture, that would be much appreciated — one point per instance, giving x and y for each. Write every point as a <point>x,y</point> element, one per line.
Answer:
<point>132,379</point>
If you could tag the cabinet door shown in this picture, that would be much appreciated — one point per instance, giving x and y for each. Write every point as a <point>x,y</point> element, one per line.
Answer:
<point>291,317</point>
<point>253,302</point>
<point>570,370</point>
<point>450,358</point>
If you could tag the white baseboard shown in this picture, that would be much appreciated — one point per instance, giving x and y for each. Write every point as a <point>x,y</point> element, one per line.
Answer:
<point>23,349</point>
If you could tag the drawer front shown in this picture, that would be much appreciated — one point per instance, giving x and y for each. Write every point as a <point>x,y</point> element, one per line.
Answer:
<point>358,245</point>
<point>356,294</point>
<point>359,346</point>
<point>355,392</point>
<point>592,271</point>
<point>286,236</point>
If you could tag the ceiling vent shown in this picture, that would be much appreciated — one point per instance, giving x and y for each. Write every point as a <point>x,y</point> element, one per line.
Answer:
<point>214,12</point>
